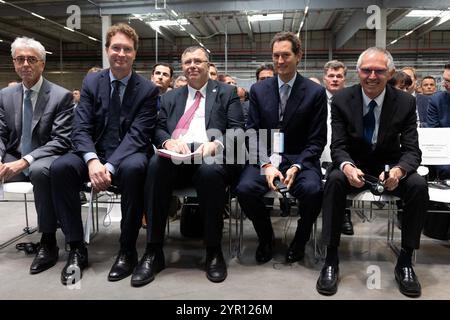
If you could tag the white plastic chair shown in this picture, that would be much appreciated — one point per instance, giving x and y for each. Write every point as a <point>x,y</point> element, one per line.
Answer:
<point>19,188</point>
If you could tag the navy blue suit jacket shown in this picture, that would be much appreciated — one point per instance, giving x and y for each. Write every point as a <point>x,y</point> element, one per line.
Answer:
<point>304,123</point>
<point>137,118</point>
<point>438,114</point>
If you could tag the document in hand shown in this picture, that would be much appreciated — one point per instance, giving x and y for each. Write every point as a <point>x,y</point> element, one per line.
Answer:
<point>177,156</point>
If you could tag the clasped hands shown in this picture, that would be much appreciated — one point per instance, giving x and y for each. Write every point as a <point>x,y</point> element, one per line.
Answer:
<point>179,146</point>
<point>10,169</point>
<point>99,175</point>
<point>356,177</point>
<point>271,173</point>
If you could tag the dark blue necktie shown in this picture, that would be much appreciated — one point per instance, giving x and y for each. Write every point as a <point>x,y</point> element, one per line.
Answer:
<point>25,140</point>
<point>112,139</point>
<point>369,123</point>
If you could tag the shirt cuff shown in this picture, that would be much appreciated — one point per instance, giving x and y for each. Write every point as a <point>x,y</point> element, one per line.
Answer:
<point>28,158</point>
<point>341,167</point>
<point>89,156</point>
<point>266,164</point>
<point>110,168</point>
<point>299,167</point>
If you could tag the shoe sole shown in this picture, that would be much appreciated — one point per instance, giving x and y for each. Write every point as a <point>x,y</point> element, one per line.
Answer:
<point>404,292</point>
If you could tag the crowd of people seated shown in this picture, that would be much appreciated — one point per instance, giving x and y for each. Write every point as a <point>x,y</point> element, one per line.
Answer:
<point>105,133</point>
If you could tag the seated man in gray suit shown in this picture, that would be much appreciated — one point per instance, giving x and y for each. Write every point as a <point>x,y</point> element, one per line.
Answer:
<point>35,123</point>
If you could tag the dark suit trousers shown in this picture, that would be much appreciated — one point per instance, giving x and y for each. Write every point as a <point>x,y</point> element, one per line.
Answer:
<point>412,189</point>
<point>39,176</point>
<point>307,188</point>
<point>68,174</point>
<point>210,182</point>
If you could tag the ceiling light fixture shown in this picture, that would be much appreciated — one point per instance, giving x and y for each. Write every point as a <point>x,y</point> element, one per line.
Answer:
<point>265,17</point>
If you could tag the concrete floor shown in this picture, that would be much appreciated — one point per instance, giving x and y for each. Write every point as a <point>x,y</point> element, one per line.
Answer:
<point>184,278</point>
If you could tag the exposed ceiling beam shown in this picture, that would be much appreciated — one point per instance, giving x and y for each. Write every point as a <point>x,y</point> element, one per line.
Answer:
<point>396,16</point>
<point>201,26</point>
<point>331,23</point>
<point>143,7</point>
<point>14,30</point>
<point>356,21</point>
<point>427,28</point>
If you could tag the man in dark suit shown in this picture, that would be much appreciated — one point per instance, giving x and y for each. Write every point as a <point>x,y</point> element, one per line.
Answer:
<point>438,114</point>
<point>114,121</point>
<point>374,125</point>
<point>35,124</point>
<point>193,117</point>
<point>297,107</point>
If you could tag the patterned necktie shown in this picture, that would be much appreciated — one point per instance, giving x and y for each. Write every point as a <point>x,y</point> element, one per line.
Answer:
<point>25,140</point>
<point>369,123</point>
<point>184,122</point>
<point>284,95</point>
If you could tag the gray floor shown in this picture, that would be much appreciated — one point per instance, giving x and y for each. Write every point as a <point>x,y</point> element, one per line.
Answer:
<point>360,256</point>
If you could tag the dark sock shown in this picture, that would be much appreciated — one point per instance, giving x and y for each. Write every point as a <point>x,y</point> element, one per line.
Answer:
<point>332,256</point>
<point>405,257</point>
<point>48,238</point>
<point>153,247</point>
<point>76,245</point>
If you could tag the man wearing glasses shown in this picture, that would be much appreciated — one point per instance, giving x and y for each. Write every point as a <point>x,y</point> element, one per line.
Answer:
<point>438,114</point>
<point>192,118</point>
<point>374,125</point>
<point>35,124</point>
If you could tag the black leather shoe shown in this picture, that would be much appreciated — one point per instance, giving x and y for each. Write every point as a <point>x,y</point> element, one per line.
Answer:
<point>327,283</point>
<point>150,264</point>
<point>216,268</point>
<point>347,225</point>
<point>45,258</point>
<point>76,263</point>
<point>295,252</point>
<point>123,266</point>
<point>407,281</point>
<point>263,252</point>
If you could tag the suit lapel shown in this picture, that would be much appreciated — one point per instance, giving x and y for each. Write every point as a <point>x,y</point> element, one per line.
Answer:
<point>295,99</point>
<point>18,106</point>
<point>104,93</point>
<point>128,97</point>
<point>41,103</point>
<point>387,112</point>
<point>211,94</point>
<point>180,104</point>
<point>356,110</point>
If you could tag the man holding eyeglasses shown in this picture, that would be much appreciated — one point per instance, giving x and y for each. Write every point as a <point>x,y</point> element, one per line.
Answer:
<point>438,114</point>
<point>114,122</point>
<point>374,125</point>
<point>35,124</point>
<point>192,118</point>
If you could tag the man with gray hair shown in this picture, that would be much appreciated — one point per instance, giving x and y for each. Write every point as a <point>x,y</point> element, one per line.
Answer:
<point>35,124</point>
<point>374,125</point>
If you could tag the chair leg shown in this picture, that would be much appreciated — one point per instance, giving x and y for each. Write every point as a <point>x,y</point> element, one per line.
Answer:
<point>26,230</point>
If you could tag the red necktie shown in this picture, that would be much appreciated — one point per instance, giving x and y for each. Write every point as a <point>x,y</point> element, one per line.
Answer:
<point>184,122</point>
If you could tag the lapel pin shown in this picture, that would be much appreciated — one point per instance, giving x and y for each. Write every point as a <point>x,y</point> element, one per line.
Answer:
<point>214,90</point>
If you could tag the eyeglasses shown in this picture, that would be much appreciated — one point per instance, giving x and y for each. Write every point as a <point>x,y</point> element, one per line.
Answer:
<point>21,60</point>
<point>196,62</point>
<point>378,72</point>
<point>445,82</point>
